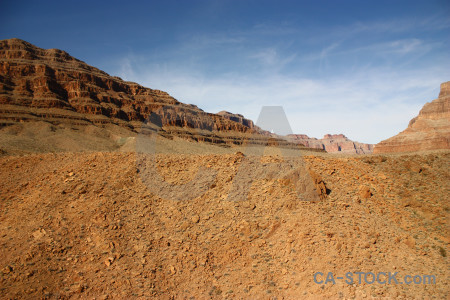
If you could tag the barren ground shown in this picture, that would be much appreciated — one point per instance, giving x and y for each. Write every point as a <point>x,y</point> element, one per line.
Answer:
<point>86,225</point>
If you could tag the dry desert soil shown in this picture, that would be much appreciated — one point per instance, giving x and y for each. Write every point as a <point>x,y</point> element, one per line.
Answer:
<point>95,225</point>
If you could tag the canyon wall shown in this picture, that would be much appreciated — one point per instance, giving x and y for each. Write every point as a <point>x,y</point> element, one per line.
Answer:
<point>39,85</point>
<point>430,130</point>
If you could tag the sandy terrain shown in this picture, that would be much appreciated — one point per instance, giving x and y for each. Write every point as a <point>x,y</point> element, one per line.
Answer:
<point>91,225</point>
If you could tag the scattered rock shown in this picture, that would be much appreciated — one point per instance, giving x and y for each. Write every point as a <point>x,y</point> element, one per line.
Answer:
<point>195,219</point>
<point>131,243</point>
<point>410,242</point>
<point>319,184</point>
<point>364,192</point>
<point>7,270</point>
<point>172,270</point>
<point>109,261</point>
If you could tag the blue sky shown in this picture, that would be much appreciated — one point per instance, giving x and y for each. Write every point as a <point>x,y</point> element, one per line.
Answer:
<point>362,68</point>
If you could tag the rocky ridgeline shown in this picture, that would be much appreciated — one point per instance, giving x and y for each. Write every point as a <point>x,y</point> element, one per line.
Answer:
<point>67,88</point>
<point>332,143</point>
<point>430,130</point>
<point>52,86</point>
<point>237,118</point>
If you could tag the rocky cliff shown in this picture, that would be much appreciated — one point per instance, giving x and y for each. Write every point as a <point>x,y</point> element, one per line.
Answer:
<point>237,118</point>
<point>50,83</point>
<point>430,130</point>
<point>332,143</point>
<point>52,86</point>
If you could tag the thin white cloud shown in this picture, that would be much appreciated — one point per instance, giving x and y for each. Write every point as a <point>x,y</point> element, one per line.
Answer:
<point>436,22</point>
<point>204,41</point>
<point>266,56</point>
<point>126,68</point>
<point>323,64</point>
<point>270,58</point>
<point>404,46</point>
<point>398,47</point>
<point>367,107</point>
<point>366,100</point>
<point>389,49</point>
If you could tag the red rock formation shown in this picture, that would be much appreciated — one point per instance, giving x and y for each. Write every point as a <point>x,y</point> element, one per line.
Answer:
<point>52,86</point>
<point>69,90</point>
<point>430,130</point>
<point>237,118</point>
<point>332,143</point>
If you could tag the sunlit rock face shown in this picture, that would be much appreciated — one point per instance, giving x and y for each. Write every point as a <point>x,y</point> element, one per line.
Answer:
<point>333,143</point>
<point>430,130</point>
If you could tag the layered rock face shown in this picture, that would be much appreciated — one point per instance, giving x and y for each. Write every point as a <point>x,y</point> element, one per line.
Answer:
<point>430,130</point>
<point>54,87</point>
<point>333,143</point>
<point>237,118</point>
<point>37,83</point>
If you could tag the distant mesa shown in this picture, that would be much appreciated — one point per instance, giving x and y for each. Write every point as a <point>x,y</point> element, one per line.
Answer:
<point>333,143</point>
<point>430,130</point>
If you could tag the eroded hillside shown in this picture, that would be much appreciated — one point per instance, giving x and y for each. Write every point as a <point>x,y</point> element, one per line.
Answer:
<point>79,225</point>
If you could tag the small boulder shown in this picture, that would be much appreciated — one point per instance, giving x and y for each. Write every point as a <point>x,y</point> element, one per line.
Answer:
<point>364,192</point>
